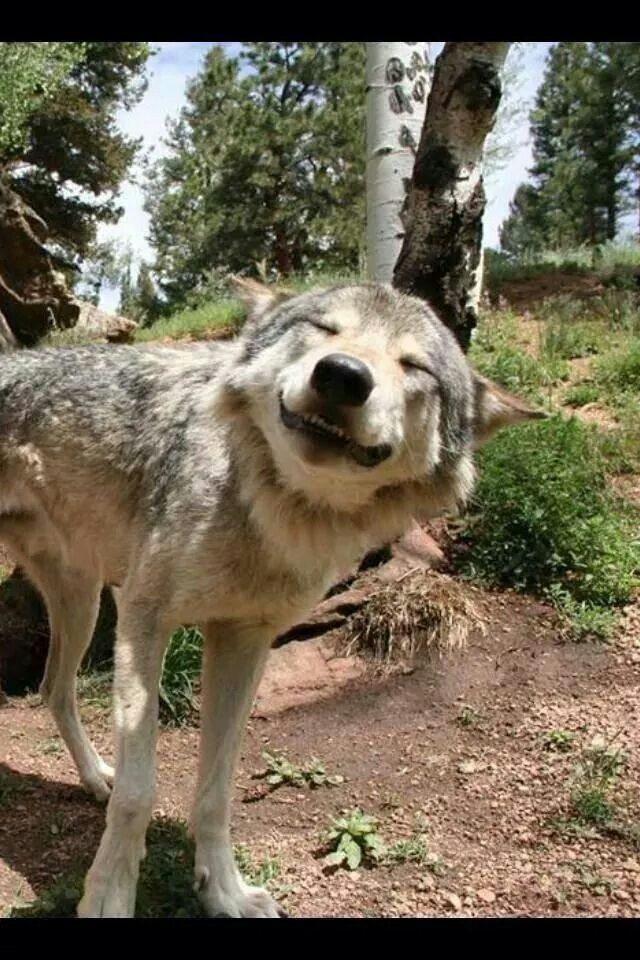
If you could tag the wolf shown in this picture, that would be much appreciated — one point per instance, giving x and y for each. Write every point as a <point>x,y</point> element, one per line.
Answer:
<point>227,485</point>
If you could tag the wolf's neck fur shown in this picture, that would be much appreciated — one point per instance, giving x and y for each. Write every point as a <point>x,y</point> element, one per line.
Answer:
<point>315,541</point>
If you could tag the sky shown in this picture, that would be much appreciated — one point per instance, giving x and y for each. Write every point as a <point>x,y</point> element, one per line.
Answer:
<point>175,63</point>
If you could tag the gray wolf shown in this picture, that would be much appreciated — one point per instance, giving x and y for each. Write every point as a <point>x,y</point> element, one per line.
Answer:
<point>225,485</point>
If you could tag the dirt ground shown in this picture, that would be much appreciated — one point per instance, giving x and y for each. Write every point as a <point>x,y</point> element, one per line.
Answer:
<point>479,783</point>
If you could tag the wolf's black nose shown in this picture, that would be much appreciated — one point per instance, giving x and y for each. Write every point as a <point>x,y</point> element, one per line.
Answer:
<point>342,380</point>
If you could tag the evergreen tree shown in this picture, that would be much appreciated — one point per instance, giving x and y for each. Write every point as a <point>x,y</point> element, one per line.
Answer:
<point>521,232</point>
<point>586,144</point>
<point>60,147</point>
<point>266,162</point>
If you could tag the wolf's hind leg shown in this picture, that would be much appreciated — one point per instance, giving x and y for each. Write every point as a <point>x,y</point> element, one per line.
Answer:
<point>72,602</point>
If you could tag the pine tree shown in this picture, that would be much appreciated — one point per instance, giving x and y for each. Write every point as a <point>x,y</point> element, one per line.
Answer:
<point>262,165</point>
<point>585,129</point>
<point>60,147</point>
<point>145,298</point>
<point>521,232</point>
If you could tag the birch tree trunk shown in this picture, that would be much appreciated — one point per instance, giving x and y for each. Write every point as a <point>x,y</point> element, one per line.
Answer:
<point>398,77</point>
<point>440,259</point>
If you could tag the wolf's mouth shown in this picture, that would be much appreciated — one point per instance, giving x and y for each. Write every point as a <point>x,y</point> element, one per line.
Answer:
<point>315,425</point>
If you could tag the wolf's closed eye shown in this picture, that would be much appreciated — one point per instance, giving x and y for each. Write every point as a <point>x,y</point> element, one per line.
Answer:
<point>414,364</point>
<point>323,326</point>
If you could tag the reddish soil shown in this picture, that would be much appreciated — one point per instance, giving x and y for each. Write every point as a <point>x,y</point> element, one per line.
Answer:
<point>485,795</point>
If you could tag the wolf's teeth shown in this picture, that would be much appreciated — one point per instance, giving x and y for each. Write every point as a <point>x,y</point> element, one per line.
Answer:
<point>317,421</point>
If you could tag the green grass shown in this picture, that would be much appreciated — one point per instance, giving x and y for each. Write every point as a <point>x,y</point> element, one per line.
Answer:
<point>226,313</point>
<point>618,372</point>
<point>222,315</point>
<point>165,888</point>
<point>495,354</point>
<point>94,687</point>
<point>619,309</point>
<point>178,705</point>
<point>544,520</point>
<point>595,776</point>
<point>581,394</point>
<point>569,329</point>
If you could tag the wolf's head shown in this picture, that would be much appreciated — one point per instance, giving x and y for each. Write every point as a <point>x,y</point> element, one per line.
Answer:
<point>359,388</point>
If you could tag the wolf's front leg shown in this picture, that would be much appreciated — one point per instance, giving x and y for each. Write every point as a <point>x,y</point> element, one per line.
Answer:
<point>110,886</point>
<point>233,662</point>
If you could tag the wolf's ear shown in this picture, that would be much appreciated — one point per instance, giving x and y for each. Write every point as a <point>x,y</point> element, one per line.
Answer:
<point>496,408</point>
<point>257,296</point>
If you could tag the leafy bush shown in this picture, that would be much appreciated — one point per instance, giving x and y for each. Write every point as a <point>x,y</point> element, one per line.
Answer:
<point>543,520</point>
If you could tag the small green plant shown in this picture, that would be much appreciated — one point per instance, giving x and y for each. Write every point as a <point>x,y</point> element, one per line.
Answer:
<point>413,850</point>
<point>468,717</point>
<point>580,394</point>
<point>267,874</point>
<point>354,840</point>
<point>559,741</point>
<point>590,879</point>
<point>599,767</point>
<point>179,673</point>
<point>281,771</point>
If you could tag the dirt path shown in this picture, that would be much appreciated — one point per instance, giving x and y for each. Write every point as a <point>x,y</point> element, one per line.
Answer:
<point>477,783</point>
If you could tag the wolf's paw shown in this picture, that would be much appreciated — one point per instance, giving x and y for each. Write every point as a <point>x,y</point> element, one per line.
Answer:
<point>110,898</point>
<point>98,780</point>
<point>226,894</point>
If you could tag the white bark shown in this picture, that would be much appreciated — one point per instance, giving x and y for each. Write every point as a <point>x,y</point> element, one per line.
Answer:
<point>398,79</point>
<point>441,255</point>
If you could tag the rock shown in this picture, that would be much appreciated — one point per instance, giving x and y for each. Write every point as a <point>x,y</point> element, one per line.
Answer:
<point>418,546</point>
<point>415,550</point>
<point>488,896</point>
<point>104,326</point>
<point>470,766</point>
<point>452,899</point>
<point>34,298</point>
<point>301,672</point>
